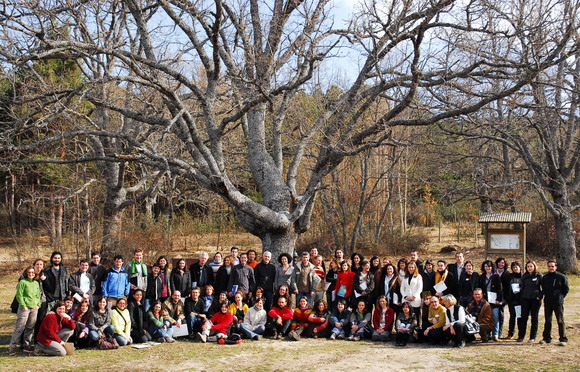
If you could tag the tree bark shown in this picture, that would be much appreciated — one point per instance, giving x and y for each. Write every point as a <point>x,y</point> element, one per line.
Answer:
<point>279,242</point>
<point>566,256</point>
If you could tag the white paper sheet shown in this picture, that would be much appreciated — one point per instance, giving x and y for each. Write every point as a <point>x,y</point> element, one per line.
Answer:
<point>363,286</point>
<point>518,310</point>
<point>515,288</point>
<point>440,287</point>
<point>180,332</point>
<point>491,297</point>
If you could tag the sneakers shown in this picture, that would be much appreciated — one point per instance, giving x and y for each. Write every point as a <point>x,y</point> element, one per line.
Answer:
<point>201,337</point>
<point>257,338</point>
<point>11,351</point>
<point>275,335</point>
<point>350,338</point>
<point>341,336</point>
<point>37,351</point>
<point>160,340</point>
<point>544,342</point>
<point>356,338</point>
<point>496,339</point>
<point>169,339</point>
<point>563,343</point>
<point>461,345</point>
<point>532,340</point>
<point>333,336</point>
<point>294,336</point>
<point>520,340</point>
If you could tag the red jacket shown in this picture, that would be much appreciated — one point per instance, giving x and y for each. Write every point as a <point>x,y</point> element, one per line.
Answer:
<point>285,313</point>
<point>345,278</point>
<point>301,316</point>
<point>389,318</point>
<point>50,326</point>
<point>221,321</point>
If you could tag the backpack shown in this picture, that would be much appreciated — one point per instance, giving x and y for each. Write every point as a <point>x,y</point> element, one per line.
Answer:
<point>471,325</point>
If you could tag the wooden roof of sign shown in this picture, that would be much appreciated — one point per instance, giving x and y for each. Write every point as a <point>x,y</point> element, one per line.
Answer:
<point>498,217</point>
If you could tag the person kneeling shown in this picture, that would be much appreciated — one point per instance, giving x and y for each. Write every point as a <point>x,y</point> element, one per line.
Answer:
<point>454,321</point>
<point>54,332</point>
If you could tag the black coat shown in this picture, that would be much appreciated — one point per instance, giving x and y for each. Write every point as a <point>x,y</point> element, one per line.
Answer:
<point>264,276</point>
<point>554,288</point>
<point>221,280</point>
<point>180,281</point>
<point>154,287</point>
<point>467,283</point>
<point>138,320</point>
<point>495,286</point>
<point>531,286</point>
<point>99,273</point>
<point>428,281</point>
<point>50,284</point>
<point>195,270</point>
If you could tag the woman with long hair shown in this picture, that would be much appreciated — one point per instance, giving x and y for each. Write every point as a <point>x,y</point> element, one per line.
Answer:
<point>180,279</point>
<point>531,299</point>
<point>492,288</point>
<point>29,301</point>
<point>344,282</point>
<point>165,273</point>
<point>319,320</point>
<point>223,275</point>
<point>81,316</point>
<point>412,287</point>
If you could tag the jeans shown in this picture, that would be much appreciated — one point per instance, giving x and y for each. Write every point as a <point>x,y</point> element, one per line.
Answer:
<point>157,332</point>
<point>25,321</point>
<point>558,310</point>
<point>94,335</point>
<point>194,323</point>
<point>530,307</point>
<point>259,330</point>
<point>501,319</point>
<point>381,337</point>
<point>496,311</point>
<point>55,348</point>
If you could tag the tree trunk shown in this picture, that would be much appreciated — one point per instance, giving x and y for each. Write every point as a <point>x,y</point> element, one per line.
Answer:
<point>279,242</point>
<point>566,256</point>
<point>112,223</point>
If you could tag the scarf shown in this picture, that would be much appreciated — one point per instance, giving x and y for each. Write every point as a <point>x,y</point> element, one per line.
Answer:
<point>134,264</point>
<point>359,315</point>
<point>439,277</point>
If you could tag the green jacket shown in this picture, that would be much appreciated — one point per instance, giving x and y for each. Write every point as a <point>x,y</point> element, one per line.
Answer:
<point>28,293</point>
<point>158,322</point>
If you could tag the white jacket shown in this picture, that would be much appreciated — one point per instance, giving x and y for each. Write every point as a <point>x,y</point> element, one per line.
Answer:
<point>255,317</point>
<point>412,289</point>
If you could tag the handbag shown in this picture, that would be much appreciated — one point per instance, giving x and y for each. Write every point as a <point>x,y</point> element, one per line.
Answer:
<point>471,325</point>
<point>107,343</point>
<point>14,306</point>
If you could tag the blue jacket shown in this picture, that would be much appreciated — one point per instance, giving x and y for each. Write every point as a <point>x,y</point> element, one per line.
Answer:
<point>116,283</point>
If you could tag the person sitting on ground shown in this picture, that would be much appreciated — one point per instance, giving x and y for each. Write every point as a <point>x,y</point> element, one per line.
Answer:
<point>359,319</point>
<point>217,304</point>
<point>207,298</point>
<point>173,310</point>
<point>405,325</point>
<point>280,318</point>
<point>56,328</point>
<point>454,327</point>
<point>238,309</point>
<point>121,322</point>
<point>340,321</point>
<point>81,316</point>
<point>254,323</point>
<point>100,321</point>
<point>138,318</point>
<point>481,310</point>
<point>194,312</point>
<point>300,321</point>
<point>437,321</point>
<point>158,328</point>
<point>383,320</point>
<point>318,320</point>
<point>69,305</point>
<point>218,326</point>
<point>258,294</point>
<point>424,317</point>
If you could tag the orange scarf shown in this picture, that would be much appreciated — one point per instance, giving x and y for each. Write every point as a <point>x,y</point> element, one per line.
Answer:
<point>440,278</point>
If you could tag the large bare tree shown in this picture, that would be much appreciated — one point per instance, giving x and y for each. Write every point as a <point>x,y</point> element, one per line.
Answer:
<point>226,72</point>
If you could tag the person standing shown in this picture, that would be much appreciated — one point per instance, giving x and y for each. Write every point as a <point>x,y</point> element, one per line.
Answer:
<point>531,299</point>
<point>82,284</point>
<point>116,285</point>
<point>252,262</point>
<point>201,273</point>
<point>457,268</point>
<point>28,297</point>
<point>242,276</point>
<point>305,278</point>
<point>265,273</point>
<point>56,282</point>
<point>554,290</point>
<point>137,271</point>
<point>99,274</point>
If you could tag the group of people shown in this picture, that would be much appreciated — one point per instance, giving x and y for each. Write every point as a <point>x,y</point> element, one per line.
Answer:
<point>238,296</point>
